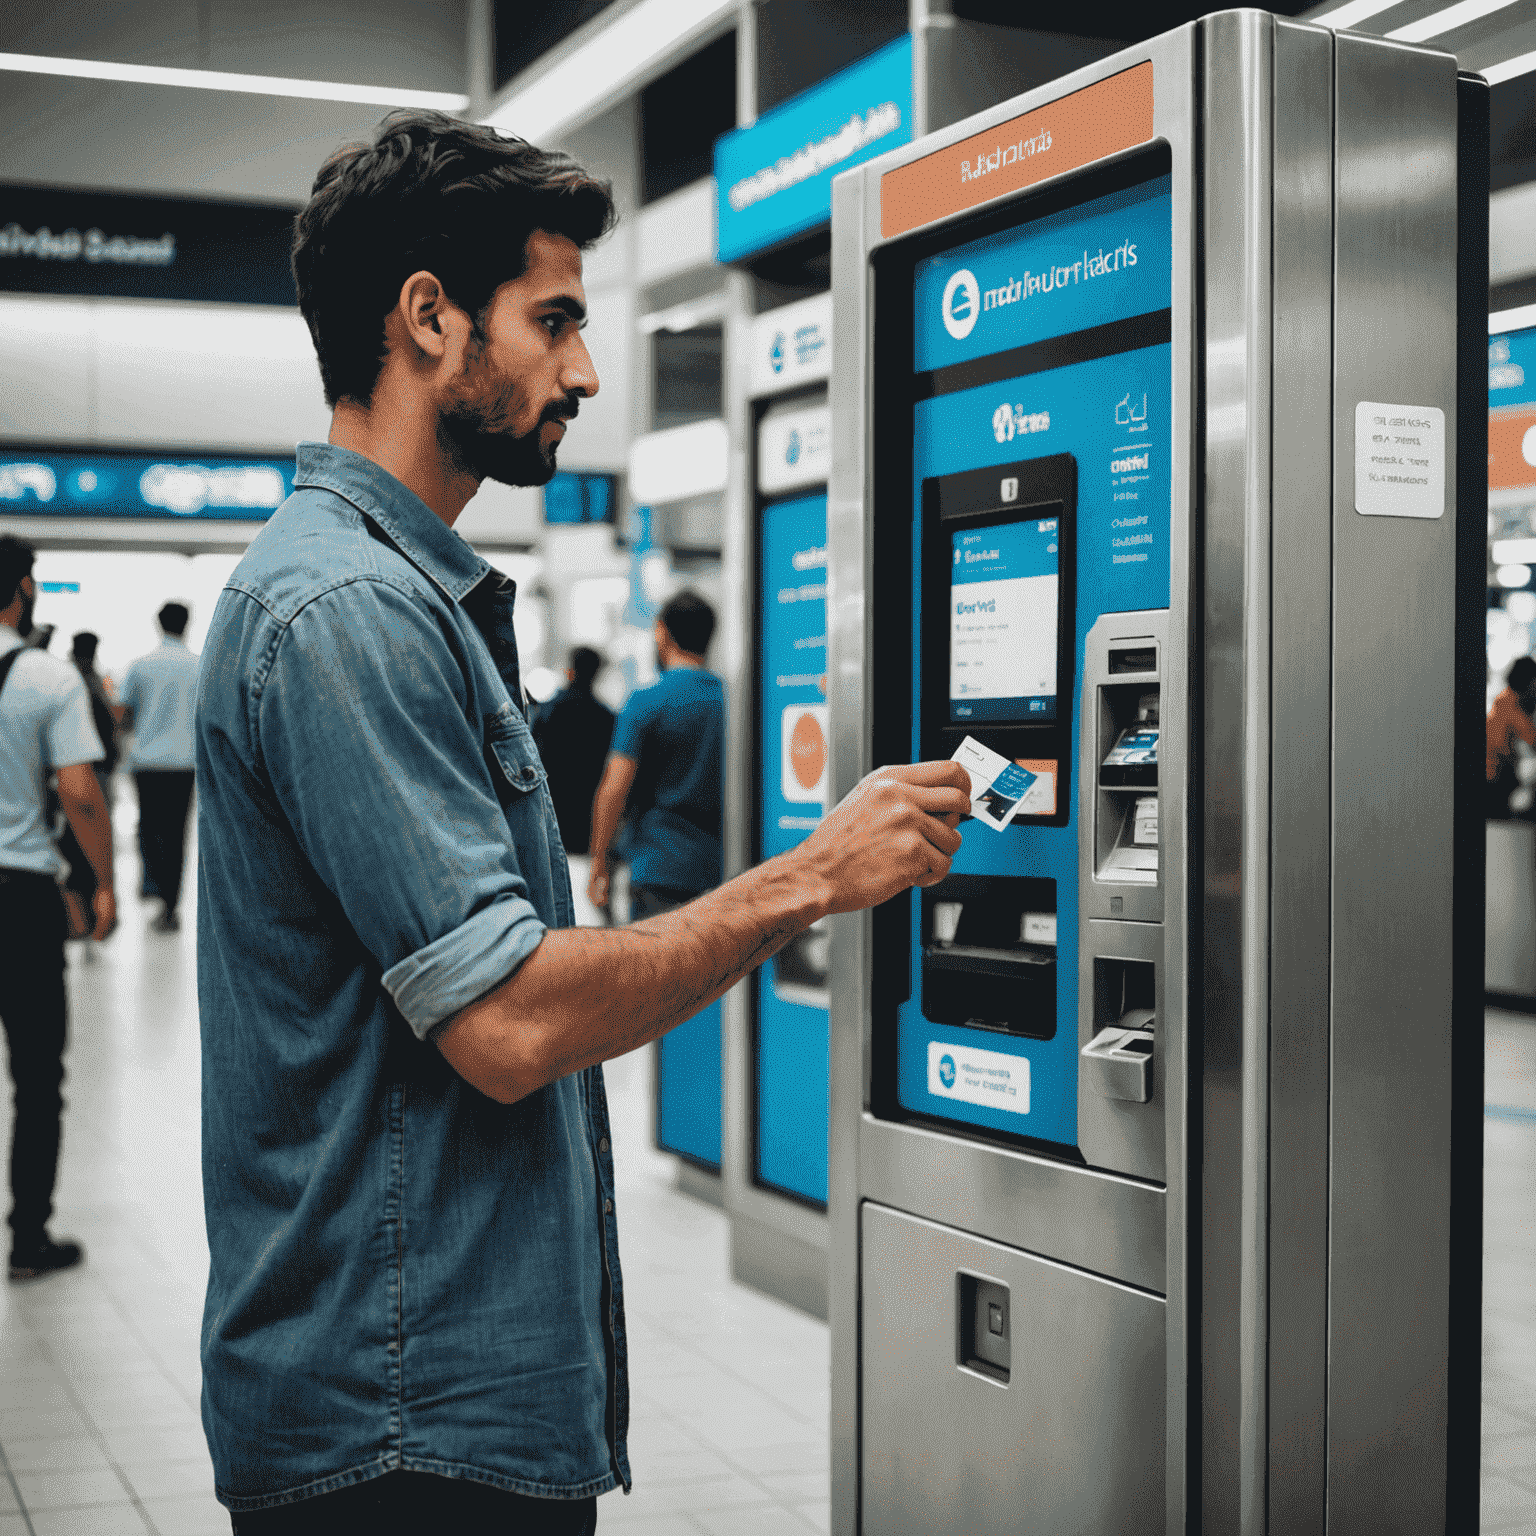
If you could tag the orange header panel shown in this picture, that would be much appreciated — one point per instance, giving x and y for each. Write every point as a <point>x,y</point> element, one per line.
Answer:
<point>1089,124</point>
<point>1507,464</point>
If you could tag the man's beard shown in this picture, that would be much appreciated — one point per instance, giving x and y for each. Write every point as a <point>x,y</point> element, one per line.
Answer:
<point>24,623</point>
<point>472,428</point>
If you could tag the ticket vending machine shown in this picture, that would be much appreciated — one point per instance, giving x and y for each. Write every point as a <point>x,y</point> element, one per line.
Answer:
<point>776,1022</point>
<point>1158,418</point>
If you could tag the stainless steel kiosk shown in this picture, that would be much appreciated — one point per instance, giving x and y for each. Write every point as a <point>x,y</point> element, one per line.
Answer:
<point>773,209</point>
<point>1158,433</point>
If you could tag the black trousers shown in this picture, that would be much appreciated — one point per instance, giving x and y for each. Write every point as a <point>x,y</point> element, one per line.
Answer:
<point>32,928</point>
<point>414,1503</point>
<point>164,796</point>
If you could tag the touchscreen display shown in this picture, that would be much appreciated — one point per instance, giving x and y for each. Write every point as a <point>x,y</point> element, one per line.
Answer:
<point>1003,606</point>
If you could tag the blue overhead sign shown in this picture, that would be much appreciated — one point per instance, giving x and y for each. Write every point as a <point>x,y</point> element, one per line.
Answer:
<point>774,179</point>
<point>142,485</point>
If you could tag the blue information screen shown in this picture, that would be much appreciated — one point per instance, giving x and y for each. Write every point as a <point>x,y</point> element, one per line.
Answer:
<point>792,1034</point>
<point>1047,339</point>
<point>104,484</point>
<point>1004,607</point>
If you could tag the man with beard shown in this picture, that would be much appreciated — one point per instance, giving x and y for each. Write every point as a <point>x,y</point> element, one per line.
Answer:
<point>415,1308</point>
<point>45,727</point>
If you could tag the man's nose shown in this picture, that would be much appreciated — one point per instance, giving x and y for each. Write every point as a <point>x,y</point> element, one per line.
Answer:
<point>579,377</point>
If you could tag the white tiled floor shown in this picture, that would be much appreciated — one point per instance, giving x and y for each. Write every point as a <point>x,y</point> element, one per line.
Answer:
<point>99,1430</point>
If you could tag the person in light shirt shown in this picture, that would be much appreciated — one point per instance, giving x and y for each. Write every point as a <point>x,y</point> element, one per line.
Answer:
<point>45,727</point>
<point>159,697</point>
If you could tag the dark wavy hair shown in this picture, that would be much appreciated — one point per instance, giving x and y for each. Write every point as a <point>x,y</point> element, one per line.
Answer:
<point>428,194</point>
<point>690,621</point>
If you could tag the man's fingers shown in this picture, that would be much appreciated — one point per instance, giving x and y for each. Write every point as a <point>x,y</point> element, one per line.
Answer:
<point>931,775</point>
<point>941,802</point>
<point>942,836</point>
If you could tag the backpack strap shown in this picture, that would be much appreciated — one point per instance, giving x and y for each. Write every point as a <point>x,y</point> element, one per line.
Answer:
<point>7,662</point>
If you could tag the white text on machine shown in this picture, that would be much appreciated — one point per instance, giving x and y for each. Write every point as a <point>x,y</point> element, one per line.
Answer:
<point>1061,275</point>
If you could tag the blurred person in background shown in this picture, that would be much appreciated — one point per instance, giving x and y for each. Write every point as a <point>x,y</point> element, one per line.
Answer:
<point>159,702</point>
<point>572,733</point>
<point>104,710</point>
<point>1510,720</point>
<point>668,766</point>
<point>415,1312</point>
<point>45,726</point>
<point>80,887</point>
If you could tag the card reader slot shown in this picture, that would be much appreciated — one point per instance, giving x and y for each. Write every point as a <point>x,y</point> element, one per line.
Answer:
<point>973,960</point>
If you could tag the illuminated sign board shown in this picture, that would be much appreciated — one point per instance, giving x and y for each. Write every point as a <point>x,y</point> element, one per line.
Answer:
<point>113,245</point>
<point>142,485</point>
<point>1512,410</point>
<point>775,178</point>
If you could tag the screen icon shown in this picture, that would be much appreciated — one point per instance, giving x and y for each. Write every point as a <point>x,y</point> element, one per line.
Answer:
<point>962,304</point>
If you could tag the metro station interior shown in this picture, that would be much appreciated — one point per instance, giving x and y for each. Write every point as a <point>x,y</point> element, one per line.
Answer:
<point>1140,412</point>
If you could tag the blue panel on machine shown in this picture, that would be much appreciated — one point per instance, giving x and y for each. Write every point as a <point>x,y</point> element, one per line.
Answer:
<point>791,1036</point>
<point>1043,344</point>
<point>688,1089</point>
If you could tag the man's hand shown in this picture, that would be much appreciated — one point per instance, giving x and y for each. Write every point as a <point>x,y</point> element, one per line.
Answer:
<point>104,906</point>
<point>894,829</point>
<point>598,884</point>
<point>589,994</point>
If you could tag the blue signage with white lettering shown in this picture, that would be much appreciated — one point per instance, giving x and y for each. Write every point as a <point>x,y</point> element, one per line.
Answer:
<point>1064,273</point>
<point>774,179</point>
<point>142,485</point>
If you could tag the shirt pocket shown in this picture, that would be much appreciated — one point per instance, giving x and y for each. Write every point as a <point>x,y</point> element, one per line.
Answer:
<point>523,791</point>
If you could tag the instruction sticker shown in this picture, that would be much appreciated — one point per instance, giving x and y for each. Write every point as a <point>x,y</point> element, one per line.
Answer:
<point>988,1078</point>
<point>1399,460</point>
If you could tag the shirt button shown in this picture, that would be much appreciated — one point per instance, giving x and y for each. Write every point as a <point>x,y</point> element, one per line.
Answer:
<point>608,1206</point>
<point>602,1146</point>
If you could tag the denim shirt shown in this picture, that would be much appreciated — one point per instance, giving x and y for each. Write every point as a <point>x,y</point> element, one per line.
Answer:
<point>404,1274</point>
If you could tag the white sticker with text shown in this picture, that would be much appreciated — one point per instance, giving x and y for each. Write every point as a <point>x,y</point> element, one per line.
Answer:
<point>1399,460</point>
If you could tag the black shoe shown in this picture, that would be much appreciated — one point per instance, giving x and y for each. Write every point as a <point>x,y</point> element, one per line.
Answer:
<point>33,1263</point>
<point>167,922</point>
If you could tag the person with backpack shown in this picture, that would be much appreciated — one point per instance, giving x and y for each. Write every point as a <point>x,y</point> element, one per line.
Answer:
<point>45,727</point>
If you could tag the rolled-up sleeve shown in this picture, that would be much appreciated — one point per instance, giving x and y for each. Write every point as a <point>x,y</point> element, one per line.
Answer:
<point>363,729</point>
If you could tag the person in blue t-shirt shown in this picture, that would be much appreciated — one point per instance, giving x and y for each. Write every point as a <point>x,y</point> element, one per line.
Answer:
<point>667,763</point>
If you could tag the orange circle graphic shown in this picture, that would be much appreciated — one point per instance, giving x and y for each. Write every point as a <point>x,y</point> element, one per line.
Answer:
<point>807,751</point>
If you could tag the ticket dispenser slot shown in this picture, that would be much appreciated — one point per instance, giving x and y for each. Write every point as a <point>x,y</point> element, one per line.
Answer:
<point>1121,748</point>
<point>1120,1066</point>
<point>989,954</point>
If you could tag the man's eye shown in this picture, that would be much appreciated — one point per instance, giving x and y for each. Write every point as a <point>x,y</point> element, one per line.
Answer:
<point>554,322</point>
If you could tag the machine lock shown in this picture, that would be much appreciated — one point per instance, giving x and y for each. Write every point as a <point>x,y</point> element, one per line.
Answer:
<point>1117,1062</point>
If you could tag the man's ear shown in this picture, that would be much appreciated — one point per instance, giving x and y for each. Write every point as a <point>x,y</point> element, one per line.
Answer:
<point>432,322</point>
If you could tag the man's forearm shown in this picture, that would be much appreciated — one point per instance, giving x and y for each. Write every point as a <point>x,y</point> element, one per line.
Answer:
<point>607,808</point>
<point>92,825</point>
<point>561,1011</point>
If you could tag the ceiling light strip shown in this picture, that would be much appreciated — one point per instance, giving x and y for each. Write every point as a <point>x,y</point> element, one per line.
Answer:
<point>1352,14</point>
<point>1447,20</point>
<point>596,74</point>
<point>220,80</point>
<point>1508,69</point>
<point>1516,319</point>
